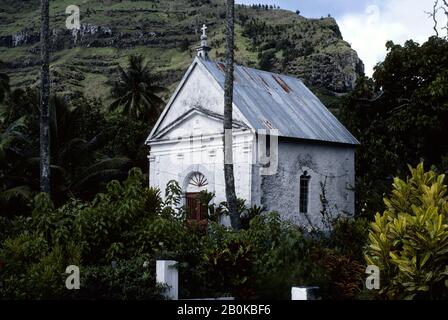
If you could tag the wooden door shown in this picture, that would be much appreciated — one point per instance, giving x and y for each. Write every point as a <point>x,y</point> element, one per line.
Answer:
<point>195,211</point>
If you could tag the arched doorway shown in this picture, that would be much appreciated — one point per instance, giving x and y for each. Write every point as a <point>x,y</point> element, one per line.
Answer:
<point>197,182</point>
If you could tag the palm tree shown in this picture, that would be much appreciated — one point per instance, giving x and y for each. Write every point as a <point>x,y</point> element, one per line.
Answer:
<point>12,134</point>
<point>79,167</point>
<point>45,97</point>
<point>228,101</point>
<point>14,190</point>
<point>135,92</point>
<point>4,84</point>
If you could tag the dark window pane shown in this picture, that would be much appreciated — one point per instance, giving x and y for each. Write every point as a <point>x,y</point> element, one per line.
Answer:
<point>304,185</point>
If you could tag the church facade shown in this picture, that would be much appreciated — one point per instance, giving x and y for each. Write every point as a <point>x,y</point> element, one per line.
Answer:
<point>290,154</point>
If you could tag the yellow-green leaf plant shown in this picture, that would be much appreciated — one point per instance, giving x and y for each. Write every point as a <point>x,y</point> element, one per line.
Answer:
<point>409,241</point>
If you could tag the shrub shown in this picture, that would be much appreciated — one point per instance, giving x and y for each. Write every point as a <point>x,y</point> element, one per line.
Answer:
<point>123,279</point>
<point>409,241</point>
<point>349,236</point>
<point>33,270</point>
<point>35,251</point>
<point>280,252</point>
<point>338,276</point>
<point>116,238</point>
<point>231,268</point>
<point>286,256</point>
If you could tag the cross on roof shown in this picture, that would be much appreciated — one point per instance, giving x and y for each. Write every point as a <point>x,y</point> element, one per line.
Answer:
<point>204,27</point>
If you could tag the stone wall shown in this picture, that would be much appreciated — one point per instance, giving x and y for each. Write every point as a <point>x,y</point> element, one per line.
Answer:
<point>330,166</point>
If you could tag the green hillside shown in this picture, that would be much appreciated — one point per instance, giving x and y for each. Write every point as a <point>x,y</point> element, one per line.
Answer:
<point>167,33</point>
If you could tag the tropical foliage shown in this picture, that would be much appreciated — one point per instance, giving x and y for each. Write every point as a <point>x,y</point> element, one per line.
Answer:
<point>409,240</point>
<point>35,251</point>
<point>116,238</point>
<point>4,84</point>
<point>89,148</point>
<point>136,93</point>
<point>400,116</point>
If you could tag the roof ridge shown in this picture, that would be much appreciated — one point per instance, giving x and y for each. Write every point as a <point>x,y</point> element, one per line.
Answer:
<point>255,69</point>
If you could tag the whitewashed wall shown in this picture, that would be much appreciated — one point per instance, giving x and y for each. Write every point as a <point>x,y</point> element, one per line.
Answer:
<point>194,143</point>
<point>281,192</point>
<point>178,159</point>
<point>199,90</point>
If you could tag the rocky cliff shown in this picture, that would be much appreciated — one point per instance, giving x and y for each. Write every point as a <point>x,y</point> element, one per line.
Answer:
<point>167,32</point>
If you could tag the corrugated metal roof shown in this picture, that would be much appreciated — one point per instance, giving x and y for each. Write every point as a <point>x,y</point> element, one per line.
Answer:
<point>273,101</point>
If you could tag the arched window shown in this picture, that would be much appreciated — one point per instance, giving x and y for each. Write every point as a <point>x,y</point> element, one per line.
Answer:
<point>304,192</point>
<point>197,179</point>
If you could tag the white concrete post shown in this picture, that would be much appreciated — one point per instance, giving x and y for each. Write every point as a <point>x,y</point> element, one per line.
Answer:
<point>167,274</point>
<point>303,293</point>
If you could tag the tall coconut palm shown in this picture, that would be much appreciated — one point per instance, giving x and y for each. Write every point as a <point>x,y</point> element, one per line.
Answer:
<point>79,165</point>
<point>45,97</point>
<point>135,92</point>
<point>4,84</point>
<point>12,134</point>
<point>228,101</point>
<point>14,190</point>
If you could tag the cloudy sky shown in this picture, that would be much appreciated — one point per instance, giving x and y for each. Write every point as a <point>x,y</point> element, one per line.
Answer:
<point>368,24</point>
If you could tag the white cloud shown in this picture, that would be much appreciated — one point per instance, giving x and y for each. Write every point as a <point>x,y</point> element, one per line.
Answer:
<point>396,20</point>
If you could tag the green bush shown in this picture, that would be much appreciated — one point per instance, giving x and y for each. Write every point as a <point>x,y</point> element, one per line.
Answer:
<point>33,270</point>
<point>409,241</point>
<point>286,256</point>
<point>116,238</point>
<point>35,251</point>
<point>123,279</point>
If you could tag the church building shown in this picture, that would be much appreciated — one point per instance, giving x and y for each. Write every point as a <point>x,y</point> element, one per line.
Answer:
<point>290,153</point>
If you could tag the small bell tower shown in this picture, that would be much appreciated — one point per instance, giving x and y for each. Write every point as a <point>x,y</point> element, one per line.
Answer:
<point>203,49</point>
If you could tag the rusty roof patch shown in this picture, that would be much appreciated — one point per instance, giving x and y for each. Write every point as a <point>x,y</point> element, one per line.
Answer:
<point>282,83</point>
<point>221,66</point>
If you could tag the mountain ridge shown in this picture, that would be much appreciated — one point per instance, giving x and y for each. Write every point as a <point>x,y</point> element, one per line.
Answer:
<point>167,34</point>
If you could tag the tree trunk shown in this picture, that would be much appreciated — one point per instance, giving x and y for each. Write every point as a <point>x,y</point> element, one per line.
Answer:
<point>44,98</point>
<point>228,101</point>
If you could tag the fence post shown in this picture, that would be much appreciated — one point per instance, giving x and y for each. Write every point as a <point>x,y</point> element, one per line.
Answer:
<point>304,293</point>
<point>167,274</point>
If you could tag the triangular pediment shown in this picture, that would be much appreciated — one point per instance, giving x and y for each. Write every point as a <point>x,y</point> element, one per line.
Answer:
<point>195,122</point>
<point>197,93</point>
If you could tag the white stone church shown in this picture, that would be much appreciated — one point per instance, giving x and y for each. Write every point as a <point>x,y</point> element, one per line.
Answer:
<point>308,153</point>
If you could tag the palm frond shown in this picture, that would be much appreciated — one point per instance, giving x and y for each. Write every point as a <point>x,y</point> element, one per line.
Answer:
<point>105,164</point>
<point>16,193</point>
<point>4,86</point>
<point>135,91</point>
<point>12,135</point>
<point>103,170</point>
<point>157,89</point>
<point>96,179</point>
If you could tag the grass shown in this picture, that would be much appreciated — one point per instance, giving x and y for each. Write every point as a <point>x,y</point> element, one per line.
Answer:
<point>14,54</point>
<point>95,86</point>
